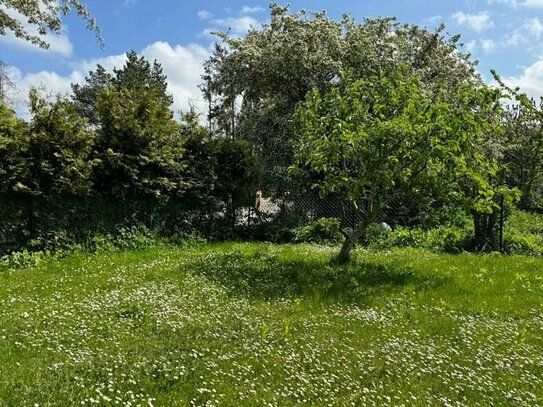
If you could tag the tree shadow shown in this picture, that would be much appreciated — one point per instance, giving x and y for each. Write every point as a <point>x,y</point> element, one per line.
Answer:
<point>266,276</point>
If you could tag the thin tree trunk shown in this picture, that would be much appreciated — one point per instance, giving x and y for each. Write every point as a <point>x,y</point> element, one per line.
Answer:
<point>526,197</point>
<point>350,241</point>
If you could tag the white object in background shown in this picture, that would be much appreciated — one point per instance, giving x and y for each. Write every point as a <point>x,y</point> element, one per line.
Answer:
<point>258,199</point>
<point>385,226</point>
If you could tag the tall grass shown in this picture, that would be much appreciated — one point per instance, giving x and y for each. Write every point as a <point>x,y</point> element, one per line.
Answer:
<point>260,324</point>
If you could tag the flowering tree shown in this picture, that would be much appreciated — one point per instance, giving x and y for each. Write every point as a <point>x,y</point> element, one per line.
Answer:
<point>42,16</point>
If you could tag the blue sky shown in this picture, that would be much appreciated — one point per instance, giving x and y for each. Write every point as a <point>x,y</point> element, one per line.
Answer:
<point>506,35</point>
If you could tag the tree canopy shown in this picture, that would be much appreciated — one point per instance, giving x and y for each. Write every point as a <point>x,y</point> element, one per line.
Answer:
<point>7,86</point>
<point>13,140</point>
<point>59,151</point>
<point>138,145</point>
<point>136,74</point>
<point>523,153</point>
<point>254,83</point>
<point>372,112</point>
<point>372,139</point>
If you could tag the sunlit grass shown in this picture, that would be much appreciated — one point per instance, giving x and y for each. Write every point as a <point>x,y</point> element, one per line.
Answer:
<point>258,324</point>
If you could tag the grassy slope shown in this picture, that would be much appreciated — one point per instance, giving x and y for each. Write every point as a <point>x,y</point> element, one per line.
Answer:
<point>256,324</point>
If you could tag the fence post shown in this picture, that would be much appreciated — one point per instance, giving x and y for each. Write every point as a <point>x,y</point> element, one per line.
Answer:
<point>501,222</point>
<point>233,216</point>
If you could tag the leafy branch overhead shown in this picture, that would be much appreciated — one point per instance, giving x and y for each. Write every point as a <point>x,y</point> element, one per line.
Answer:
<point>32,20</point>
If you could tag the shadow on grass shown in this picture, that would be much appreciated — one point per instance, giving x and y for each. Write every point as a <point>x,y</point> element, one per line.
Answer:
<point>266,276</point>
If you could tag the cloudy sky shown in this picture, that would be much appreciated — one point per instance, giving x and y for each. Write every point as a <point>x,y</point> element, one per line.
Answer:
<point>506,35</point>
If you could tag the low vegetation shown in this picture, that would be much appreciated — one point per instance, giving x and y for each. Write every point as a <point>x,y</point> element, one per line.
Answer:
<point>523,234</point>
<point>261,324</point>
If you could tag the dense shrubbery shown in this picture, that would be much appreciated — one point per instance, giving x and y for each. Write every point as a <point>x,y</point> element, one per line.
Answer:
<point>324,230</point>
<point>524,234</point>
<point>451,239</point>
<point>58,245</point>
<point>113,159</point>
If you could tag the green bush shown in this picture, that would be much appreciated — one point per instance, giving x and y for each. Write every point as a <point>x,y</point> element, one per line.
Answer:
<point>273,231</point>
<point>450,239</point>
<point>23,258</point>
<point>324,230</point>
<point>527,244</point>
<point>523,233</point>
<point>447,215</point>
<point>125,238</point>
<point>405,237</point>
<point>375,236</point>
<point>446,239</point>
<point>53,241</point>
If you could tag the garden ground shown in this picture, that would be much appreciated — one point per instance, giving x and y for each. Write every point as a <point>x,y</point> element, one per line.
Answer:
<point>260,324</point>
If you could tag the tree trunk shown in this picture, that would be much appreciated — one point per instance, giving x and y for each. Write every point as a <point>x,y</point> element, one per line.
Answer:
<point>350,241</point>
<point>526,197</point>
<point>484,228</point>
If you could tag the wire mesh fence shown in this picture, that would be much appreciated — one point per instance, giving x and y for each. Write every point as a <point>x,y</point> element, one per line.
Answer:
<point>38,222</point>
<point>293,211</point>
<point>289,212</point>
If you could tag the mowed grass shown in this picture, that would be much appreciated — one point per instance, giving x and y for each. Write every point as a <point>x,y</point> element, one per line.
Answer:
<point>268,325</point>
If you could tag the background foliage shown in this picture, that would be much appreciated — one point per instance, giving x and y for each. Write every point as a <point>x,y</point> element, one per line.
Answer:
<point>391,118</point>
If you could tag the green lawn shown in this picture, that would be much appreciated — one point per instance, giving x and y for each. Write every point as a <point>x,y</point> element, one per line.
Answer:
<point>263,325</point>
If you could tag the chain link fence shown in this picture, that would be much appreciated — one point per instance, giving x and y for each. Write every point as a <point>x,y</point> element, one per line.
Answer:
<point>40,223</point>
<point>293,211</point>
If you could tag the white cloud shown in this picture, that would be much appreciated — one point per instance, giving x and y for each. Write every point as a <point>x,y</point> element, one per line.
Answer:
<point>488,45</point>
<point>519,3</point>
<point>477,22</point>
<point>512,3</point>
<point>109,62</point>
<point>58,44</point>
<point>50,82</point>
<point>530,81</point>
<point>533,3</point>
<point>471,46</point>
<point>251,10</point>
<point>204,14</point>
<point>435,19</point>
<point>531,29</point>
<point>182,65</point>
<point>516,38</point>
<point>534,27</point>
<point>237,25</point>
